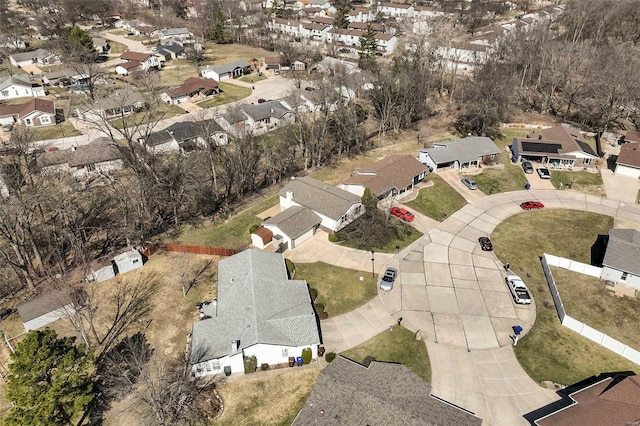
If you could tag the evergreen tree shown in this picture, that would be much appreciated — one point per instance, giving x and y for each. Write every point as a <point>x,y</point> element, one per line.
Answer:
<point>341,19</point>
<point>50,380</point>
<point>368,44</point>
<point>76,43</point>
<point>219,32</point>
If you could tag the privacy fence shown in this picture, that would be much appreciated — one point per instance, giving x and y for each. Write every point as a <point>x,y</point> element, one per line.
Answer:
<point>184,248</point>
<point>590,333</point>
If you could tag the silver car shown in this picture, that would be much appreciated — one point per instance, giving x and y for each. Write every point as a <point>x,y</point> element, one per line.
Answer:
<point>388,279</point>
<point>469,183</point>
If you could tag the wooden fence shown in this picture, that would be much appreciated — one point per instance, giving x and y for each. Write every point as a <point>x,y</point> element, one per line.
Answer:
<point>215,251</point>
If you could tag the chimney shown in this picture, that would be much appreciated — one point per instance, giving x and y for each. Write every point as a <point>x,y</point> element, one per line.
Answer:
<point>273,110</point>
<point>235,345</point>
<point>289,194</point>
<point>74,148</point>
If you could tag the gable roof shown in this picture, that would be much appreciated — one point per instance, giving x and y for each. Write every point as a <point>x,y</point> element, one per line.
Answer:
<point>226,68</point>
<point>464,150</point>
<point>171,47</point>
<point>294,221</point>
<point>98,151</point>
<point>34,54</point>
<point>43,304</point>
<point>193,84</point>
<point>393,172</point>
<point>256,303</point>
<point>4,83</point>
<point>348,393</point>
<point>629,155</point>
<point>623,251</point>
<point>183,131</point>
<point>264,110</point>
<point>611,401</point>
<point>632,136</point>
<point>130,65</point>
<point>559,140</point>
<point>320,197</point>
<point>117,99</point>
<point>135,56</point>
<point>171,32</point>
<point>35,104</point>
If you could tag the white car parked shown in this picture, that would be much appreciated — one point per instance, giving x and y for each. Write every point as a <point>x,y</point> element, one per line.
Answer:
<point>519,290</point>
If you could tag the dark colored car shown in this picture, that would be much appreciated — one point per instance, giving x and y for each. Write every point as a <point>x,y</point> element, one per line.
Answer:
<point>261,101</point>
<point>5,312</point>
<point>388,279</point>
<point>485,244</point>
<point>544,173</point>
<point>527,167</point>
<point>403,214</point>
<point>531,205</point>
<point>309,89</point>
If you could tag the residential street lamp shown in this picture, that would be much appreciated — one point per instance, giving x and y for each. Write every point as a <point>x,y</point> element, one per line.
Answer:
<point>373,265</point>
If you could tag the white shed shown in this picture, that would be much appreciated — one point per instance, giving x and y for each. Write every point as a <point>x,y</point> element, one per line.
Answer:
<point>128,261</point>
<point>45,309</point>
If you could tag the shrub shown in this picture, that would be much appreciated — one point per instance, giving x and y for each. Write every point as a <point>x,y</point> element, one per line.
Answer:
<point>291,267</point>
<point>367,360</point>
<point>264,366</point>
<point>307,354</point>
<point>323,315</point>
<point>319,307</point>
<point>330,356</point>
<point>250,364</point>
<point>314,294</point>
<point>334,238</point>
<point>253,228</point>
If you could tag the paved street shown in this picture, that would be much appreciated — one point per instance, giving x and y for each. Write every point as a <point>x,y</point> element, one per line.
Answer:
<point>455,294</point>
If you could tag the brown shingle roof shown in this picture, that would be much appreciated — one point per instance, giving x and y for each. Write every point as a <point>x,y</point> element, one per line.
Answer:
<point>135,56</point>
<point>394,172</point>
<point>192,85</point>
<point>265,235</point>
<point>629,155</point>
<point>632,136</point>
<point>130,65</point>
<point>566,138</point>
<point>35,104</point>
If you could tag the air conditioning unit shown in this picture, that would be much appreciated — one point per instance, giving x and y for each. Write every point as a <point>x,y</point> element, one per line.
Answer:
<point>277,241</point>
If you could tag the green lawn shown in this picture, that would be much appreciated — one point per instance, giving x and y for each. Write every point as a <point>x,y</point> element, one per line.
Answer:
<point>438,200</point>
<point>176,72</point>
<point>230,93</point>
<point>117,47</point>
<point>399,346</point>
<point>118,32</point>
<point>510,177</point>
<point>252,78</point>
<point>232,233</point>
<point>586,299</point>
<point>61,130</point>
<point>550,351</point>
<point>581,181</point>
<point>162,112</point>
<point>339,289</point>
<point>399,235</point>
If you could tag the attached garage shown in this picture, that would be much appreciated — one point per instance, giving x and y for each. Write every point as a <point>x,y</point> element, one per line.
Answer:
<point>628,162</point>
<point>296,225</point>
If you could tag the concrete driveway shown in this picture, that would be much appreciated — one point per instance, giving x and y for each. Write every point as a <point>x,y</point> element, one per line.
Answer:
<point>453,178</point>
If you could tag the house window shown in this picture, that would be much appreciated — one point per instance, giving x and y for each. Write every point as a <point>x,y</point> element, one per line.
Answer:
<point>215,365</point>
<point>207,366</point>
<point>624,276</point>
<point>45,119</point>
<point>586,161</point>
<point>5,93</point>
<point>492,157</point>
<point>28,122</point>
<point>285,353</point>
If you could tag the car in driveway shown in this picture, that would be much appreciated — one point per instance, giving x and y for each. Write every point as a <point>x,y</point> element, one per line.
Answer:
<point>485,244</point>
<point>403,214</point>
<point>389,277</point>
<point>531,205</point>
<point>527,167</point>
<point>469,183</point>
<point>518,289</point>
<point>544,173</point>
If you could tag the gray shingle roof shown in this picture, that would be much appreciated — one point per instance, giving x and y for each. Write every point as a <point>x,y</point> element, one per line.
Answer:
<point>225,68</point>
<point>256,303</point>
<point>393,172</point>
<point>320,197</point>
<point>43,304</point>
<point>463,150</point>
<point>34,54</point>
<point>295,221</point>
<point>13,80</point>
<point>623,251</point>
<point>184,131</point>
<point>347,393</point>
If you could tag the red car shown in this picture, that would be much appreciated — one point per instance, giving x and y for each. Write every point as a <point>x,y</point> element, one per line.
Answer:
<point>403,214</point>
<point>531,205</point>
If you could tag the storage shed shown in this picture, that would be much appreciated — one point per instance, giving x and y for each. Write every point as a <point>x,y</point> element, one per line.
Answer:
<point>128,261</point>
<point>45,309</point>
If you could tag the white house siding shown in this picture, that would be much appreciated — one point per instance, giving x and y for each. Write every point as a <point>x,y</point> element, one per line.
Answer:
<point>614,275</point>
<point>216,366</point>
<point>628,171</point>
<point>45,319</point>
<point>104,274</point>
<point>15,91</point>
<point>103,167</point>
<point>275,354</point>
<point>277,231</point>
<point>354,189</point>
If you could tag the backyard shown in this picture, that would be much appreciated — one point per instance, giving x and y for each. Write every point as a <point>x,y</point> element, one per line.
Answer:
<point>399,346</point>
<point>550,351</point>
<point>340,290</point>
<point>229,93</point>
<point>438,201</point>
<point>61,130</point>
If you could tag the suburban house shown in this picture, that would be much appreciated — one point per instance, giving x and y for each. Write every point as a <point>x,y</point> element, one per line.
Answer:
<point>273,63</point>
<point>35,113</point>
<point>382,393</point>
<point>390,176</point>
<point>628,161</point>
<point>193,89</point>
<point>168,52</point>
<point>15,87</point>
<point>258,311</point>
<point>257,118</point>
<point>608,399</point>
<point>63,78</point>
<point>466,153</point>
<point>621,263</point>
<point>557,147</point>
<point>226,71</point>
<point>185,136</point>
<point>40,57</point>
<point>147,61</point>
<point>118,104</point>
<point>100,156</point>
<point>128,67</point>
<point>289,228</point>
<point>179,35</point>
<point>45,309</point>
<point>12,42</point>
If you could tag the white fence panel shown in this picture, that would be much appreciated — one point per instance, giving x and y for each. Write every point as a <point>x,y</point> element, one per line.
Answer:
<point>551,259</point>
<point>632,355</point>
<point>613,345</point>
<point>593,271</point>
<point>564,263</point>
<point>573,324</point>
<point>593,334</point>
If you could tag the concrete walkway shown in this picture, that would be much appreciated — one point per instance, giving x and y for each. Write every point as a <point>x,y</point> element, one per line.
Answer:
<point>454,293</point>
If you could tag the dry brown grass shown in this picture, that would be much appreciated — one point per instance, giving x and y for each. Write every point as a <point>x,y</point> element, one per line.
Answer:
<point>270,400</point>
<point>222,53</point>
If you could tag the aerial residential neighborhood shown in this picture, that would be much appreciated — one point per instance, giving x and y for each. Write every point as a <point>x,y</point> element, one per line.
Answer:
<point>339,212</point>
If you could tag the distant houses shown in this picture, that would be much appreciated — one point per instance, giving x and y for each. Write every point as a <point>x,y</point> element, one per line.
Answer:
<point>16,87</point>
<point>226,71</point>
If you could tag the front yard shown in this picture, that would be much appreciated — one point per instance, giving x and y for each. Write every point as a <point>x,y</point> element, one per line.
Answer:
<point>550,351</point>
<point>438,201</point>
<point>386,236</point>
<point>61,130</point>
<point>163,111</point>
<point>340,290</point>
<point>253,77</point>
<point>398,346</point>
<point>506,177</point>
<point>229,93</point>
<point>579,181</point>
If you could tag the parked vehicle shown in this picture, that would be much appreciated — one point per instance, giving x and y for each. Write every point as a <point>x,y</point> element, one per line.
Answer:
<point>518,289</point>
<point>388,279</point>
<point>544,173</point>
<point>403,214</point>
<point>5,312</point>
<point>261,101</point>
<point>309,89</point>
<point>469,183</point>
<point>485,244</point>
<point>527,167</point>
<point>531,205</point>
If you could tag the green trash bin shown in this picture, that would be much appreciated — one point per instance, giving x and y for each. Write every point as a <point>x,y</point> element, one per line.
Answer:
<point>227,370</point>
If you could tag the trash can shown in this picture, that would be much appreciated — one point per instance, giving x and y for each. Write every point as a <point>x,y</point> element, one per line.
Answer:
<point>320,350</point>
<point>227,370</point>
<point>299,361</point>
<point>527,185</point>
<point>292,361</point>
